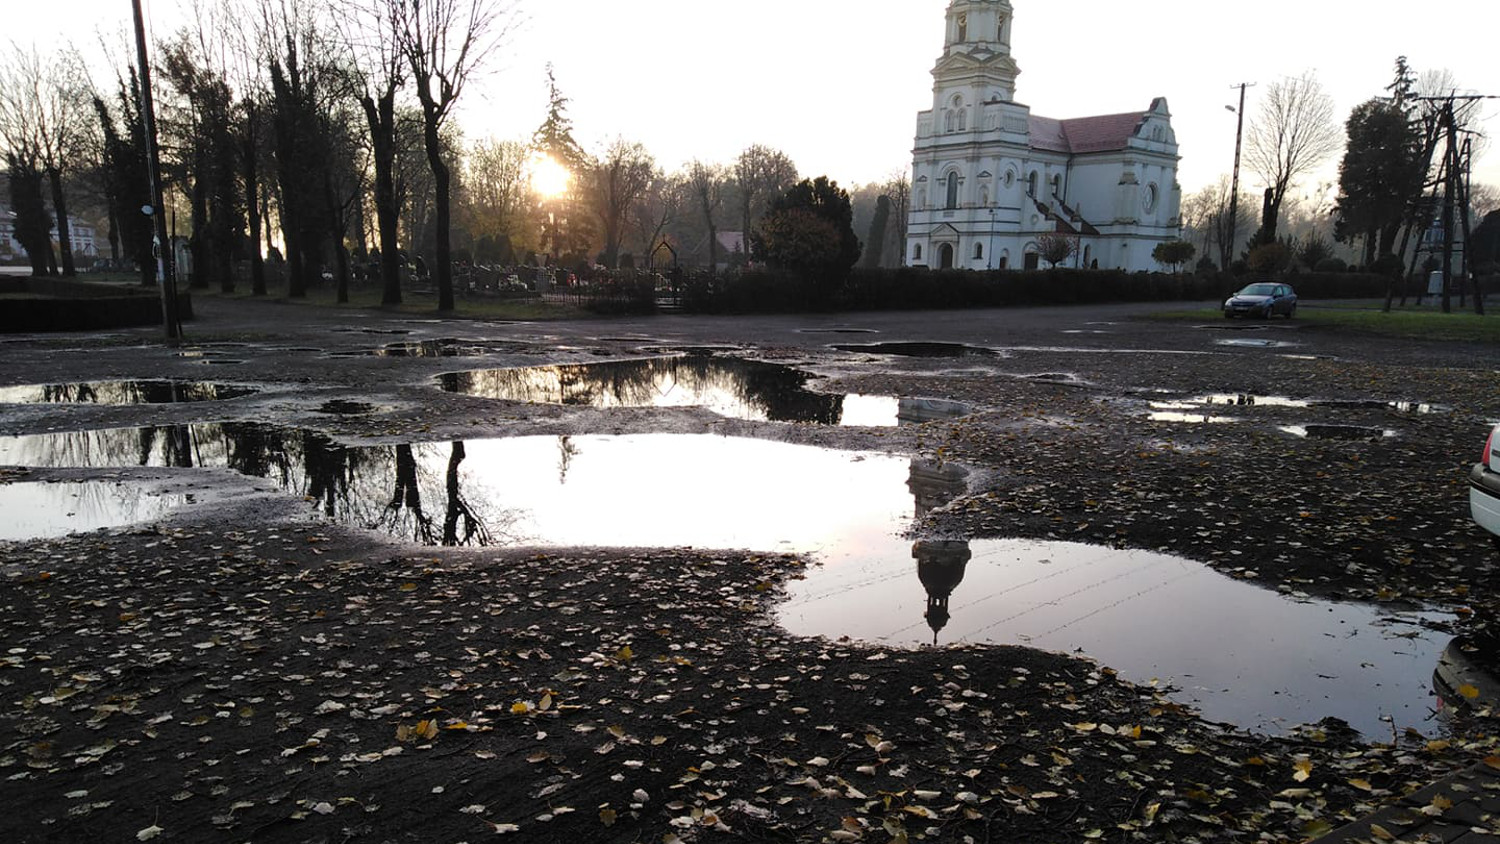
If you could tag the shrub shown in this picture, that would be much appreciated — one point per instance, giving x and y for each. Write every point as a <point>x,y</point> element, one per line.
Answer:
<point>1388,265</point>
<point>1269,259</point>
<point>1331,265</point>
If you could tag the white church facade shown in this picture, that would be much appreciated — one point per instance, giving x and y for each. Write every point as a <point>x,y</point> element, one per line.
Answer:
<point>990,179</point>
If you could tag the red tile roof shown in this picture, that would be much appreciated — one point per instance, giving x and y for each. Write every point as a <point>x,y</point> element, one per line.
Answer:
<point>1082,135</point>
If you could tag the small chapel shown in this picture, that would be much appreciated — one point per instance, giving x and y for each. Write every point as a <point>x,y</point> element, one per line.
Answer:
<point>990,179</point>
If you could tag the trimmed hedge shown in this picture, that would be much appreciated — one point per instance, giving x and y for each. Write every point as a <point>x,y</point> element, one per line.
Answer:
<point>80,306</point>
<point>767,291</point>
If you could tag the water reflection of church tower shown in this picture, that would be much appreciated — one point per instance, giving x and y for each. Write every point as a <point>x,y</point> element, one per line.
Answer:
<point>940,567</point>
<point>934,484</point>
<point>940,562</point>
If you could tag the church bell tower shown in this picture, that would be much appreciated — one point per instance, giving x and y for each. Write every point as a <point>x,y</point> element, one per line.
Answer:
<point>978,39</point>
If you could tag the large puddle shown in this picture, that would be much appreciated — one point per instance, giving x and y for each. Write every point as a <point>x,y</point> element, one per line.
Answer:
<point>123,392</point>
<point>1242,654</point>
<point>44,510</point>
<point>730,387</point>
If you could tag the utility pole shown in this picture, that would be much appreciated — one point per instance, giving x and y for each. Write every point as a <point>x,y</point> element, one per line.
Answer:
<point>168,280</point>
<point>1227,252</point>
<point>1453,182</point>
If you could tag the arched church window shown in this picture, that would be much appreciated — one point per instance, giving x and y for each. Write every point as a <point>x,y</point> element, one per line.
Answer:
<point>963,120</point>
<point>949,121</point>
<point>1010,178</point>
<point>963,28</point>
<point>1056,182</point>
<point>979,251</point>
<point>922,199</point>
<point>916,252</point>
<point>1031,185</point>
<point>1152,195</point>
<point>952,191</point>
<point>1005,259</point>
<point>1000,30</point>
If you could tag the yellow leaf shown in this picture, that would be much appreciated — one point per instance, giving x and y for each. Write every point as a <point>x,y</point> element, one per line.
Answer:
<point>1442,802</point>
<point>427,729</point>
<point>1303,768</point>
<point>1381,832</point>
<point>607,817</point>
<point>408,587</point>
<point>1469,692</point>
<point>520,707</point>
<point>1362,785</point>
<point>546,703</point>
<point>1492,761</point>
<point>1438,746</point>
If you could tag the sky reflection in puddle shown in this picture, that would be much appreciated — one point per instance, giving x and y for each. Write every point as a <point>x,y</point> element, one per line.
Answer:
<point>43,510</point>
<point>1240,653</point>
<point>729,387</point>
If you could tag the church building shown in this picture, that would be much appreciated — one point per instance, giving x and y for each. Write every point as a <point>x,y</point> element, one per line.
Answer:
<point>990,179</point>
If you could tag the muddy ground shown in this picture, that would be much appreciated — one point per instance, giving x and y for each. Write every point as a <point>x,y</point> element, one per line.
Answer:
<point>240,671</point>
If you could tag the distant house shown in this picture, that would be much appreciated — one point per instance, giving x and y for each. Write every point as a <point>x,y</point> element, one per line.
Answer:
<point>84,236</point>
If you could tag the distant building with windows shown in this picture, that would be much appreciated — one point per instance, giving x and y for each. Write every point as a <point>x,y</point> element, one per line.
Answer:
<point>989,178</point>
<point>84,237</point>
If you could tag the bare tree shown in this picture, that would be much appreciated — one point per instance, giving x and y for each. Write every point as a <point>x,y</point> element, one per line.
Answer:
<point>372,31</point>
<point>658,210</point>
<point>616,181</point>
<point>1293,133</point>
<point>707,182</point>
<point>446,42</point>
<point>496,187</point>
<point>761,174</point>
<point>1206,218</point>
<point>898,187</point>
<point>45,108</point>
<point>1056,248</point>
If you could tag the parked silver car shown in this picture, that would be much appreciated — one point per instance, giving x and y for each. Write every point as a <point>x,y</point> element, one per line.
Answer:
<point>1264,300</point>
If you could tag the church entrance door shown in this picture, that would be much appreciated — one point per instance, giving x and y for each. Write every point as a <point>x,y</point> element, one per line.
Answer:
<point>945,256</point>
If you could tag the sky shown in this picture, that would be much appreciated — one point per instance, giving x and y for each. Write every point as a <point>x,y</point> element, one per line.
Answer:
<point>837,84</point>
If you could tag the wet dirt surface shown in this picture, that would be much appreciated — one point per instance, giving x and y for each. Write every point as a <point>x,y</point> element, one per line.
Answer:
<point>244,669</point>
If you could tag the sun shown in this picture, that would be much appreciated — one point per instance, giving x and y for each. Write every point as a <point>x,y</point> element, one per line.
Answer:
<point>548,177</point>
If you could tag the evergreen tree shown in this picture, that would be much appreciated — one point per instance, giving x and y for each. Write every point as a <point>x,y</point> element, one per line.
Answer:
<point>554,138</point>
<point>33,225</point>
<point>1380,175</point>
<point>810,230</point>
<point>126,189</point>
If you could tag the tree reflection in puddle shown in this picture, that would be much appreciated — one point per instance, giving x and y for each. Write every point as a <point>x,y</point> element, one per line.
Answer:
<point>123,392</point>
<point>1241,653</point>
<point>729,387</point>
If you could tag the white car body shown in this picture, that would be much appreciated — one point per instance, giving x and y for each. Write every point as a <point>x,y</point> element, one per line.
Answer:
<point>1484,486</point>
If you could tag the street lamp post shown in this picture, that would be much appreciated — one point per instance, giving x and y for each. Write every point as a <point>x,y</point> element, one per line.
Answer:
<point>1227,252</point>
<point>168,280</point>
<point>989,257</point>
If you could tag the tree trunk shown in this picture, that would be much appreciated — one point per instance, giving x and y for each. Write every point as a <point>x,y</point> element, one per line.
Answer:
<point>114,235</point>
<point>337,230</point>
<point>250,158</point>
<point>198,243</point>
<point>441,183</point>
<point>382,119</point>
<point>64,234</point>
